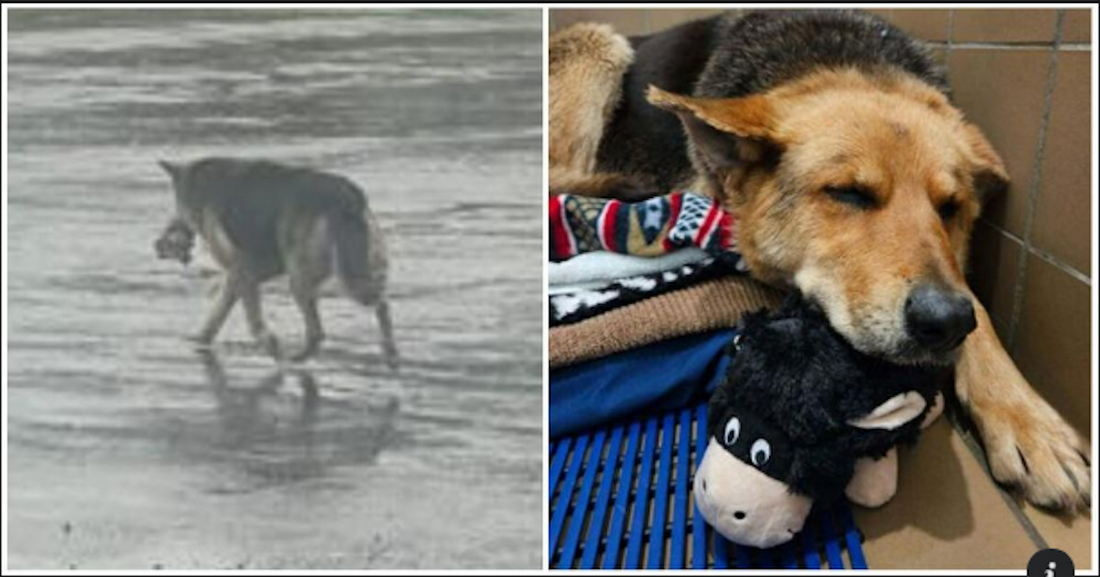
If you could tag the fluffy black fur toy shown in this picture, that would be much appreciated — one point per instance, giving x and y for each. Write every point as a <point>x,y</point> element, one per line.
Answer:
<point>798,407</point>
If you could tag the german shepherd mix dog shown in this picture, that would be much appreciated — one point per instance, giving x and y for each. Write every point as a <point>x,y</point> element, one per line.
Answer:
<point>260,220</point>
<point>831,137</point>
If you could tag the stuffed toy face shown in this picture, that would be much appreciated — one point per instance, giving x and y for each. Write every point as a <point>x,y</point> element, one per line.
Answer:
<point>740,486</point>
<point>751,485</point>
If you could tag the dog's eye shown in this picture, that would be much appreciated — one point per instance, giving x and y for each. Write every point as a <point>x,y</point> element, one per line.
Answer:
<point>760,452</point>
<point>733,430</point>
<point>856,196</point>
<point>948,210</point>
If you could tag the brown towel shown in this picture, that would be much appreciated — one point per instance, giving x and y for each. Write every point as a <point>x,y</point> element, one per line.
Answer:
<point>706,306</point>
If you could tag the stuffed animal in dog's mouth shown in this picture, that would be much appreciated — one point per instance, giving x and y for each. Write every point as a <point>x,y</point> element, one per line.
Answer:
<point>797,409</point>
<point>175,242</point>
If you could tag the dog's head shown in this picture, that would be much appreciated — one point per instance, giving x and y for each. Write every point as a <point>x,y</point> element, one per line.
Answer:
<point>861,190</point>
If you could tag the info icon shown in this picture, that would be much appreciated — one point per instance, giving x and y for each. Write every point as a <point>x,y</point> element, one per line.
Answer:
<point>1050,563</point>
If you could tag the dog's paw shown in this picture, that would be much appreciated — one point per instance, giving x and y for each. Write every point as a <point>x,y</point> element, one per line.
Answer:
<point>308,350</point>
<point>393,361</point>
<point>200,341</point>
<point>270,344</point>
<point>1032,449</point>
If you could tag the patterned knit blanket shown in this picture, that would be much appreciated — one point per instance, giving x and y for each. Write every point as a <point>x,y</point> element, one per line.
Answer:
<point>571,307</point>
<point>651,227</point>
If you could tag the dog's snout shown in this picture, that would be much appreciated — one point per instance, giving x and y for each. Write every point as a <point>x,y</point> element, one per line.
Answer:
<point>937,318</point>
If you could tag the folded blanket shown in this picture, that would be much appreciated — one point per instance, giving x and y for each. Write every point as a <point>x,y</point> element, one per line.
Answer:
<point>661,376</point>
<point>584,303</point>
<point>590,268</point>
<point>565,289</point>
<point>706,306</point>
<point>651,227</point>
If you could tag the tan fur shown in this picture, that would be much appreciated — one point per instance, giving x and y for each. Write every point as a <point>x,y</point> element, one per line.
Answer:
<point>587,62</point>
<point>901,140</point>
<point>595,185</point>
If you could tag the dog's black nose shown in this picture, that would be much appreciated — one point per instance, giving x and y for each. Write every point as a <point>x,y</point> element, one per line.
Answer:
<point>938,319</point>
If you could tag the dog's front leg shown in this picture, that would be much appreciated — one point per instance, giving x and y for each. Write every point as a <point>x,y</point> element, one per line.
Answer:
<point>250,294</point>
<point>223,304</point>
<point>315,333</point>
<point>1028,444</point>
<point>389,347</point>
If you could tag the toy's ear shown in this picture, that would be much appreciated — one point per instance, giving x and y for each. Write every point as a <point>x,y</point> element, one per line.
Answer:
<point>895,412</point>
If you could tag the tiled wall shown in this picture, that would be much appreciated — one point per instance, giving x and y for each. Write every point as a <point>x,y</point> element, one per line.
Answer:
<point>1024,77</point>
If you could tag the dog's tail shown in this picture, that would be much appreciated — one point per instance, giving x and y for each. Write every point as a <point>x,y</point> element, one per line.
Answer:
<point>360,255</point>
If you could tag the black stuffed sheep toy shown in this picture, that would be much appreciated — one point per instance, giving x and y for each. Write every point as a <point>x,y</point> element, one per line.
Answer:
<point>802,417</point>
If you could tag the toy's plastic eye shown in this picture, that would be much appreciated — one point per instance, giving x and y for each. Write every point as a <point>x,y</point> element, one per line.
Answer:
<point>733,430</point>
<point>737,342</point>
<point>760,452</point>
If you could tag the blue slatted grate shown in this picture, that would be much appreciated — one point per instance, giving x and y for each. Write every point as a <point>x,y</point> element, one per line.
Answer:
<point>620,498</point>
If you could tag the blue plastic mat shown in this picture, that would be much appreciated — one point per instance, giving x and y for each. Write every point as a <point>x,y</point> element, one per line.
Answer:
<point>620,498</point>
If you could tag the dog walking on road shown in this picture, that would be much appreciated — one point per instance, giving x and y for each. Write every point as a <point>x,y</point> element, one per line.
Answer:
<point>262,219</point>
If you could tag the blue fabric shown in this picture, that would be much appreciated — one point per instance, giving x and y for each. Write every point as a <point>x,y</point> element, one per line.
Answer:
<point>662,376</point>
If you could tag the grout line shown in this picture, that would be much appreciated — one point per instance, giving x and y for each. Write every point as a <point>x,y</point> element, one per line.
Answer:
<point>1006,45</point>
<point>1066,268</point>
<point>1003,231</point>
<point>949,45</point>
<point>1065,47</point>
<point>1036,181</point>
<point>1042,254</point>
<point>950,28</point>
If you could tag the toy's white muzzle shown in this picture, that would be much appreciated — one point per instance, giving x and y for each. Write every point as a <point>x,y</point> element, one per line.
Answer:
<point>745,505</point>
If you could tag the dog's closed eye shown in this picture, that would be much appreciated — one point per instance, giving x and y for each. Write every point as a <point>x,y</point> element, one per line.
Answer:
<point>948,210</point>
<point>853,195</point>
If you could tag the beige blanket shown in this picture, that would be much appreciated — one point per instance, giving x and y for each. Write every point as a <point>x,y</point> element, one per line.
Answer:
<point>707,306</point>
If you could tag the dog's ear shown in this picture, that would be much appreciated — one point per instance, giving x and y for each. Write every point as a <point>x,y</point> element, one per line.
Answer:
<point>173,170</point>
<point>727,132</point>
<point>989,175</point>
